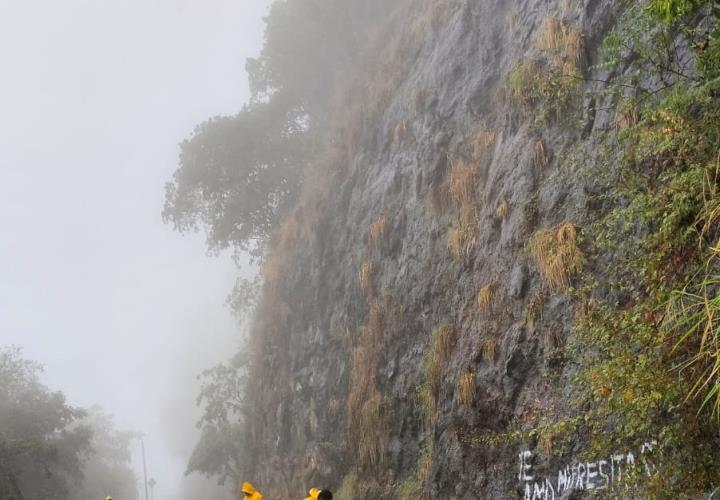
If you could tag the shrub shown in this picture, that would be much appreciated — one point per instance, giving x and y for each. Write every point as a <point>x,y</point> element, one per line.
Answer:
<point>523,85</point>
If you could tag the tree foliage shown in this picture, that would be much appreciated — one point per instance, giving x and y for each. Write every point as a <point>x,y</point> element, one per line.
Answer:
<point>52,451</point>
<point>236,174</point>
<point>307,44</point>
<point>645,339</point>
<point>220,451</point>
<point>41,450</point>
<point>106,466</point>
<point>671,10</point>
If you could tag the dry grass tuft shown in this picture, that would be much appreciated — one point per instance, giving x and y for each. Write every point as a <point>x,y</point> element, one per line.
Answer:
<point>575,47</point>
<point>418,99</point>
<point>461,183</point>
<point>364,360</point>
<point>466,388</point>
<point>546,443</point>
<point>502,210</point>
<point>366,275</point>
<point>461,241</point>
<point>483,144</point>
<point>383,311</point>
<point>540,157</point>
<point>489,349</point>
<point>562,41</point>
<point>557,254</point>
<point>437,357</point>
<point>302,222</point>
<point>485,296</point>
<point>400,132</point>
<point>372,429</point>
<point>551,35</point>
<point>512,21</point>
<point>551,340</point>
<point>584,310</point>
<point>376,231</point>
<point>534,308</point>
<point>455,242</point>
<point>334,405</point>
<point>462,235</point>
<point>499,98</point>
<point>425,467</point>
<point>438,199</point>
<point>627,117</point>
<point>367,425</point>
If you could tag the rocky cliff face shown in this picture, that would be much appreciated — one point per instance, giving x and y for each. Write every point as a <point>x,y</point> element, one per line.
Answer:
<point>412,324</point>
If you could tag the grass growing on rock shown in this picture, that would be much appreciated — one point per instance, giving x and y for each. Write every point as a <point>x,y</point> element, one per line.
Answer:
<point>557,254</point>
<point>435,363</point>
<point>376,232</point>
<point>366,275</point>
<point>485,296</point>
<point>489,349</point>
<point>466,388</point>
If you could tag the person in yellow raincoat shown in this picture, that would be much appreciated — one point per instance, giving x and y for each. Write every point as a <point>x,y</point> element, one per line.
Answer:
<point>313,494</point>
<point>318,494</point>
<point>249,492</point>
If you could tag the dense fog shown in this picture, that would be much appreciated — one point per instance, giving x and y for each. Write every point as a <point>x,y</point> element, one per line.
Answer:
<point>121,311</point>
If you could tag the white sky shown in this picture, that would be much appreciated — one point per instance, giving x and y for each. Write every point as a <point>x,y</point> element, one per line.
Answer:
<point>94,97</point>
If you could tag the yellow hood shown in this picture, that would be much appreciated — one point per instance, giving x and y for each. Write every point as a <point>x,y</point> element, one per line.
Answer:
<point>249,488</point>
<point>314,492</point>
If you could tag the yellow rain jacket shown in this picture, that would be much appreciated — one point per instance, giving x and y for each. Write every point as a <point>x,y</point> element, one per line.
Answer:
<point>314,492</point>
<point>250,492</point>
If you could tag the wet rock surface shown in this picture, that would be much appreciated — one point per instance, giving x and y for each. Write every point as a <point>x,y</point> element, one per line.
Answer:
<point>461,69</point>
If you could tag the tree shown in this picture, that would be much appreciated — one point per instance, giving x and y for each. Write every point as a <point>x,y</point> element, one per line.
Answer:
<point>237,174</point>
<point>40,449</point>
<point>106,466</point>
<point>308,43</point>
<point>219,451</point>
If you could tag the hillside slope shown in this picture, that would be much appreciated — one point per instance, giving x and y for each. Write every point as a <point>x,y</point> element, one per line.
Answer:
<point>435,300</point>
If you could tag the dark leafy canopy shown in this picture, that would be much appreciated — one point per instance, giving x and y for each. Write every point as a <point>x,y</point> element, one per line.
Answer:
<point>236,175</point>
<point>40,450</point>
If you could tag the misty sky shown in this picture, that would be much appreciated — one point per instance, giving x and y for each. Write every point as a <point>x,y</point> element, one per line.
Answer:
<point>94,97</point>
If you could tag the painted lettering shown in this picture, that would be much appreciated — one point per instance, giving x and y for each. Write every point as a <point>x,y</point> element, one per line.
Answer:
<point>590,475</point>
<point>604,476</point>
<point>583,475</point>
<point>525,466</point>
